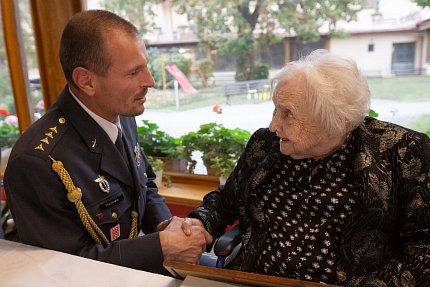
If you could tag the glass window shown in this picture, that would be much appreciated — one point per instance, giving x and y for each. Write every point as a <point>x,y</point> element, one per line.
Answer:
<point>403,59</point>
<point>8,122</point>
<point>198,97</point>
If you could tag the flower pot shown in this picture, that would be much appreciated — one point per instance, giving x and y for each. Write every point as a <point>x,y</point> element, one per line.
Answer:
<point>158,177</point>
<point>175,165</point>
<point>210,170</point>
<point>222,179</point>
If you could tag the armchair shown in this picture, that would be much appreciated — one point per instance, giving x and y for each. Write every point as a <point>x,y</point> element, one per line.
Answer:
<point>224,249</point>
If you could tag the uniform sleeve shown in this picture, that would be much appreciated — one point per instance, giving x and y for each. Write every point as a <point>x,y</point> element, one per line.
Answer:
<point>156,209</point>
<point>46,218</point>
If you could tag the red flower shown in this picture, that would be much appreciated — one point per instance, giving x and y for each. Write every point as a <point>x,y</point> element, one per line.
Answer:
<point>40,105</point>
<point>217,109</point>
<point>4,112</point>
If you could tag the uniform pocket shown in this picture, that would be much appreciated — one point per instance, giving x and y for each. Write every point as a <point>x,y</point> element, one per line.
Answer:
<point>111,208</point>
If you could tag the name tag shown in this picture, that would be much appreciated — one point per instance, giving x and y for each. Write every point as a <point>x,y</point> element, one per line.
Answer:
<point>111,202</point>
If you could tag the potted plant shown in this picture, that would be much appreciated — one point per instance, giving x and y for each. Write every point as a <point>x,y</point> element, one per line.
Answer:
<point>9,133</point>
<point>159,144</point>
<point>157,167</point>
<point>215,140</point>
<point>224,166</point>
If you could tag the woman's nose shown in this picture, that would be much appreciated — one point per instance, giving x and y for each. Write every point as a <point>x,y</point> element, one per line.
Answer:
<point>272,126</point>
<point>274,123</point>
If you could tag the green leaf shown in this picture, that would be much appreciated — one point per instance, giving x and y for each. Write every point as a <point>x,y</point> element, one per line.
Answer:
<point>373,114</point>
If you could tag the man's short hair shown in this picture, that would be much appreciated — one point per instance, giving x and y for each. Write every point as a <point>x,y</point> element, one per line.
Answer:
<point>83,41</point>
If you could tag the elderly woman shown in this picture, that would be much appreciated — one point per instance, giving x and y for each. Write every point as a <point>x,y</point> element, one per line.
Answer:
<point>328,194</point>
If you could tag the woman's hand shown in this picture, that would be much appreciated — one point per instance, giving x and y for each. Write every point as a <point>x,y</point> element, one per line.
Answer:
<point>174,222</point>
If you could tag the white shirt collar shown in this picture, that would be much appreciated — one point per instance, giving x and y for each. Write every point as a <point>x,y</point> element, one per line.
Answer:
<point>110,128</point>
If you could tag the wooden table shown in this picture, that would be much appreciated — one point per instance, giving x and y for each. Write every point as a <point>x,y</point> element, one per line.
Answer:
<point>182,270</point>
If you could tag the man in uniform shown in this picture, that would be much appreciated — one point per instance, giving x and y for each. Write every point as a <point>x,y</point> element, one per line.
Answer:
<point>77,180</point>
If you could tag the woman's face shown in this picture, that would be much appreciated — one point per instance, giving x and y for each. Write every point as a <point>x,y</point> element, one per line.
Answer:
<point>300,136</point>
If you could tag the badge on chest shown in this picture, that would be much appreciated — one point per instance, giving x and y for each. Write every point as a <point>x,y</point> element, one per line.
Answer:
<point>115,232</point>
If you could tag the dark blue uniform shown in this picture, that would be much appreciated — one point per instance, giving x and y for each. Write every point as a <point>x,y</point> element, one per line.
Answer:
<point>110,189</point>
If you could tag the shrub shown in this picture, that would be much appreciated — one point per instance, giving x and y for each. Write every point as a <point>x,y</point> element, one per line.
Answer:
<point>260,72</point>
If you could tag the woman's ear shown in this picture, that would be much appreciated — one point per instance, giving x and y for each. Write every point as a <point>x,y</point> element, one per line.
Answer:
<point>83,78</point>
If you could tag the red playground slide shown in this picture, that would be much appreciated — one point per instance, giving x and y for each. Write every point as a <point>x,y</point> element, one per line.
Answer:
<point>181,78</point>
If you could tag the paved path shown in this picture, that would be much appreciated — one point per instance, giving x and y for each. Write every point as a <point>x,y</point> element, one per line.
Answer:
<point>253,116</point>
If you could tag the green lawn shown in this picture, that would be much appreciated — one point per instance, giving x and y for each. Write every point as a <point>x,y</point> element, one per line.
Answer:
<point>411,88</point>
<point>422,124</point>
<point>408,88</point>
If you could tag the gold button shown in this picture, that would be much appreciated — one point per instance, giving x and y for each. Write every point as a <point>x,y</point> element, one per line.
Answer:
<point>114,215</point>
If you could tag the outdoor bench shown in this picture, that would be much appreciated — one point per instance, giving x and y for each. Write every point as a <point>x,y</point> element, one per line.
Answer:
<point>259,89</point>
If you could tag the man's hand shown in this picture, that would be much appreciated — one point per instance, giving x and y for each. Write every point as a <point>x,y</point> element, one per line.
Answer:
<point>186,224</point>
<point>178,246</point>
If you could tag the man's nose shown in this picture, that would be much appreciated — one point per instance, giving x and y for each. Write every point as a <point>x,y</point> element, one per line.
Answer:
<point>147,79</point>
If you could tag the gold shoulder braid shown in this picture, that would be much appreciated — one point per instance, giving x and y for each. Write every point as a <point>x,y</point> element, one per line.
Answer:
<point>74,194</point>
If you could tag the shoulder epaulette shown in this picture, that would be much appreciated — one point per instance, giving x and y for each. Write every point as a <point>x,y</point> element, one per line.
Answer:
<point>50,136</point>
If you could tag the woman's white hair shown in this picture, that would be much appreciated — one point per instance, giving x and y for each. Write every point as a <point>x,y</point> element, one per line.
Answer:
<point>333,86</point>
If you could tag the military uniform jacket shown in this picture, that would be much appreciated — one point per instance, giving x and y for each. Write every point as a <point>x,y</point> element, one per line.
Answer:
<point>110,189</point>
<point>386,241</point>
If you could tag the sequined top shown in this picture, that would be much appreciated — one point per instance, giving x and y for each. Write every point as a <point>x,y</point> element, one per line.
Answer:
<point>304,203</point>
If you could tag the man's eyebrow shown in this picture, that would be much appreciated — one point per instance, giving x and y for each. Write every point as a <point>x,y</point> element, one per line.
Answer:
<point>134,68</point>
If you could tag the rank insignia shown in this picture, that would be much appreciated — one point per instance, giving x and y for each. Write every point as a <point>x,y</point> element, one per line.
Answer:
<point>103,183</point>
<point>137,154</point>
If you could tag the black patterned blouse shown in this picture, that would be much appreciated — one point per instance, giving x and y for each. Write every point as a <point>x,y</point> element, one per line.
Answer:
<point>304,203</point>
<point>361,219</point>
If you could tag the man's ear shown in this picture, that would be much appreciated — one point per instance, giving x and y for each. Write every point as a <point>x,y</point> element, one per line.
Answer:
<point>83,78</point>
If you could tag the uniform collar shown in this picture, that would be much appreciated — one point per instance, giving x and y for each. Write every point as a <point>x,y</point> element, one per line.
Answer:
<point>110,128</point>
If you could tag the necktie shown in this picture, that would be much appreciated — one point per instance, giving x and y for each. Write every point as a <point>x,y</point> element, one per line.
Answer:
<point>119,143</point>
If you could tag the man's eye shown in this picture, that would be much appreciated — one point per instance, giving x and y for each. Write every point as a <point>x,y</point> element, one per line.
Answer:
<point>274,111</point>
<point>134,73</point>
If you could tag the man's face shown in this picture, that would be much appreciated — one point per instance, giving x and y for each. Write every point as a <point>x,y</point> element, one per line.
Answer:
<point>122,90</point>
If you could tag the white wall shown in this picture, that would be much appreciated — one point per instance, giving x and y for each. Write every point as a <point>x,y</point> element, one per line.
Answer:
<point>426,50</point>
<point>377,62</point>
<point>169,22</point>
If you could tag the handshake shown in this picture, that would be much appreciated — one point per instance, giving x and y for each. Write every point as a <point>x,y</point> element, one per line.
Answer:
<point>183,239</point>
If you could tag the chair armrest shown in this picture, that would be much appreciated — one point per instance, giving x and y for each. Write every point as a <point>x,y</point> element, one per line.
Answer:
<point>227,242</point>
